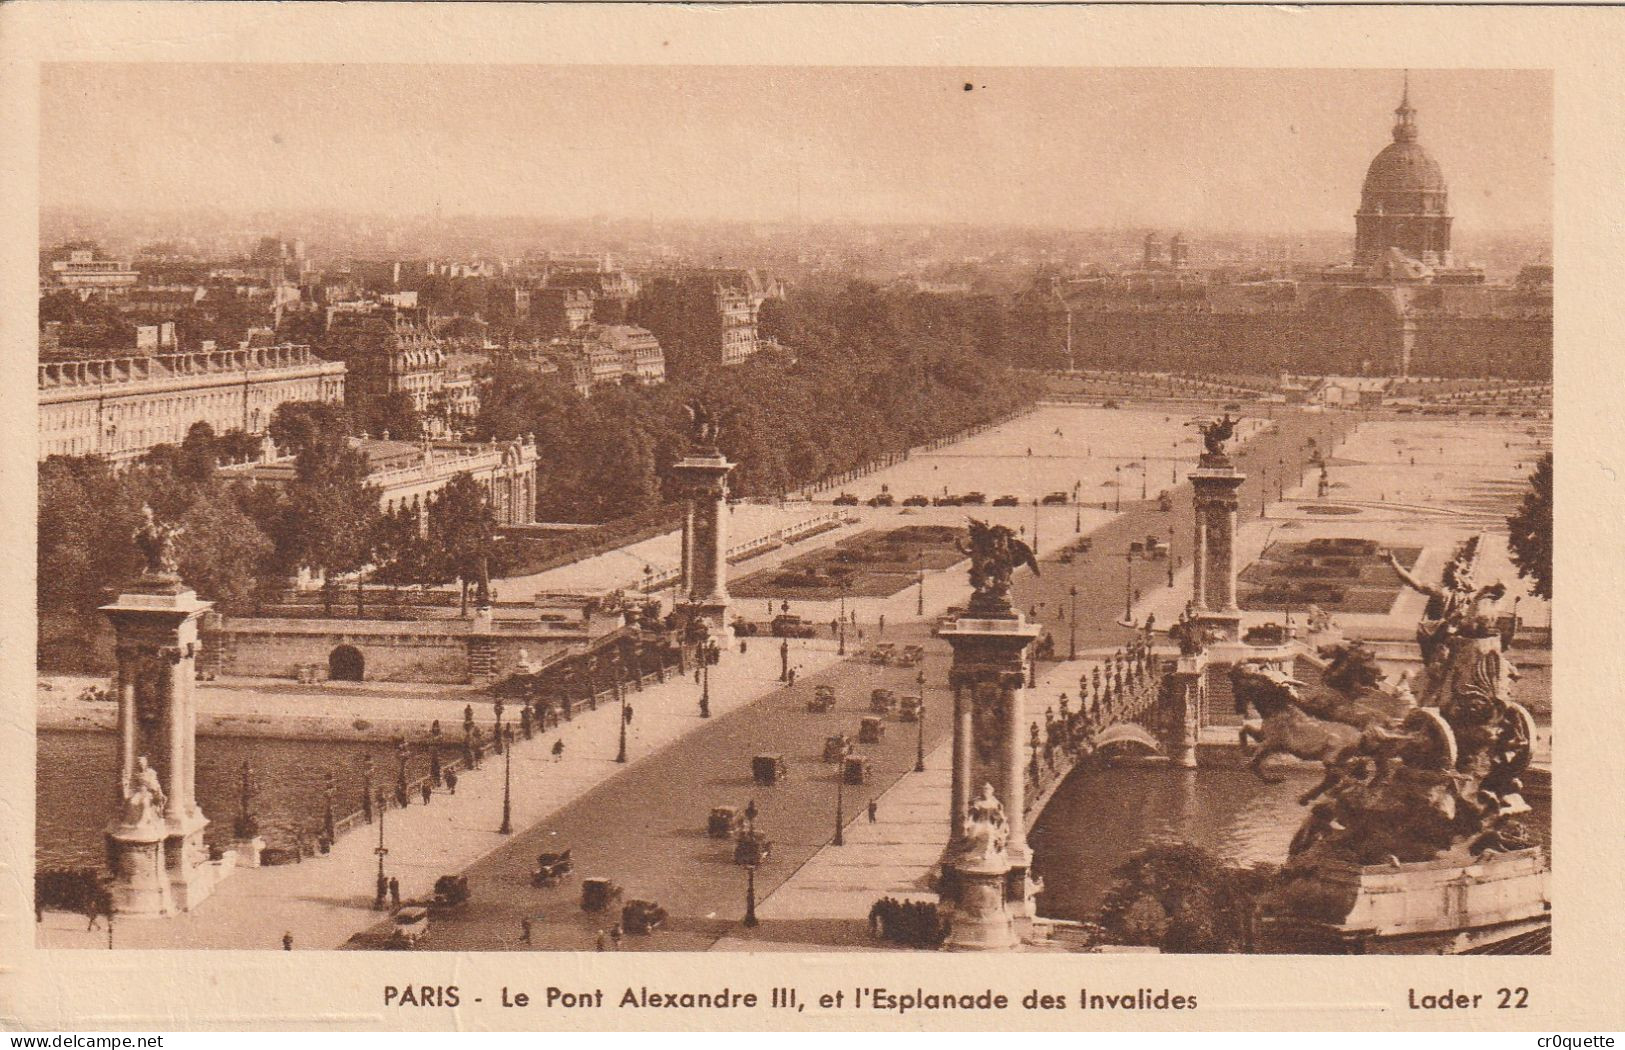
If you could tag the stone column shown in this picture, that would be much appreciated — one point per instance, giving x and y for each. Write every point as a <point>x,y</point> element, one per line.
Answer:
<point>705,478</point>
<point>1215,484</point>
<point>988,676</point>
<point>1182,690</point>
<point>159,860</point>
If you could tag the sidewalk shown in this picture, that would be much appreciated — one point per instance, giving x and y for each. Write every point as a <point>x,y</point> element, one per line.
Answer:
<point>324,900</point>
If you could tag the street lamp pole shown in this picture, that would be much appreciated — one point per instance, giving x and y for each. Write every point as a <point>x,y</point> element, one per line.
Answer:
<point>750,895</point>
<point>840,801</point>
<point>841,626</point>
<point>382,851</point>
<point>1128,590</point>
<point>620,756</point>
<point>919,609</point>
<point>1170,555</point>
<point>507,792</point>
<point>704,652</point>
<point>1072,627</point>
<point>1145,474</point>
<point>1119,490</point>
<point>919,739</point>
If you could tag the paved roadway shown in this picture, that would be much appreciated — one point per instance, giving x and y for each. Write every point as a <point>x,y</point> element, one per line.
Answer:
<point>645,827</point>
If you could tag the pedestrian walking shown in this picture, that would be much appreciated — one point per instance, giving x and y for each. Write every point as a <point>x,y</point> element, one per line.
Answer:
<point>524,930</point>
<point>874,810</point>
<point>882,628</point>
<point>628,714</point>
<point>287,941</point>
<point>400,797</point>
<point>558,750</point>
<point>600,944</point>
<point>427,791</point>
<point>792,680</point>
<point>451,781</point>
<point>395,891</point>
<point>615,936</point>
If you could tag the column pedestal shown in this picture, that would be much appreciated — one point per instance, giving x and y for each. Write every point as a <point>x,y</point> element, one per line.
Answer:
<point>989,678</point>
<point>156,622</point>
<point>704,477</point>
<point>1215,484</point>
<point>983,920</point>
<point>1182,696</point>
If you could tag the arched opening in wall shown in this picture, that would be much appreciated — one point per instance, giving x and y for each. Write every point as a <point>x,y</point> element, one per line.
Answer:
<point>345,664</point>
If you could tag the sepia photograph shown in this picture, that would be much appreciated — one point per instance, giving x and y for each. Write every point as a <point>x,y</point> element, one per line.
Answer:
<point>667,509</point>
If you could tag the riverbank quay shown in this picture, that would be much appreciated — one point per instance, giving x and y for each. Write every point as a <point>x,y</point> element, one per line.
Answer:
<point>324,900</point>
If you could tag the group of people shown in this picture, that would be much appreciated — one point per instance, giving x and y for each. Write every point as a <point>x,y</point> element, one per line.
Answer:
<point>917,924</point>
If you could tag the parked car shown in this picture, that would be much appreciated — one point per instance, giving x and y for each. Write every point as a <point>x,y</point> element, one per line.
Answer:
<point>552,868</point>
<point>768,769</point>
<point>752,849</point>
<point>871,730</point>
<point>789,625</point>
<point>1053,499</point>
<point>743,628</point>
<point>910,656</point>
<point>881,701</point>
<point>724,821</point>
<point>846,499</point>
<point>973,499</point>
<point>642,917</point>
<point>909,708</point>
<point>598,894</point>
<point>410,924</point>
<point>855,770</point>
<point>822,700</point>
<point>947,501</point>
<point>835,747</point>
<point>917,501</point>
<point>450,891</point>
<point>885,499</point>
<point>1007,501</point>
<point>882,653</point>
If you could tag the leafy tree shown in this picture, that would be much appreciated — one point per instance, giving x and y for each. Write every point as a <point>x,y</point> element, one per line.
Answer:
<point>1530,529</point>
<point>462,529</point>
<point>300,425</point>
<point>329,518</point>
<point>220,549</point>
<point>1181,898</point>
<point>393,414</point>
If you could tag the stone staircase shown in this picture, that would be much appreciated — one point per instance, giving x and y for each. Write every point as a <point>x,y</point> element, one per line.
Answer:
<point>482,659</point>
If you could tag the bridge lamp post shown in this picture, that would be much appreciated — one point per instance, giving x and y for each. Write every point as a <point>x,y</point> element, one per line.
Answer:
<point>507,789</point>
<point>704,652</point>
<point>496,737</point>
<point>620,755</point>
<point>840,799</point>
<point>1128,589</point>
<point>382,851</point>
<point>919,739</point>
<point>1072,627</point>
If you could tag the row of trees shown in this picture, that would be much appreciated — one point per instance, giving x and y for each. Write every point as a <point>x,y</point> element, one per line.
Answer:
<point>875,371</point>
<point>240,542</point>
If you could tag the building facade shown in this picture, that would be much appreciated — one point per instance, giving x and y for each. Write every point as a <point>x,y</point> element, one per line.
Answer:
<point>120,406</point>
<point>1403,305</point>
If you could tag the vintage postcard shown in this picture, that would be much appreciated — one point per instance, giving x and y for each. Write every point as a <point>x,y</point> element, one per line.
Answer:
<point>1048,528</point>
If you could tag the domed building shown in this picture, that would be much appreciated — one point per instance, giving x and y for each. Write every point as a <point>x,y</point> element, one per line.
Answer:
<point>1405,204</point>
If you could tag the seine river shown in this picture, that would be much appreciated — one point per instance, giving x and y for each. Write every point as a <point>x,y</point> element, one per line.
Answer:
<point>1098,817</point>
<point>77,774</point>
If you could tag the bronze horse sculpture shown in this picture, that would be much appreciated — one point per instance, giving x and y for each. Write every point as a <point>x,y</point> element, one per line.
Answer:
<point>1285,728</point>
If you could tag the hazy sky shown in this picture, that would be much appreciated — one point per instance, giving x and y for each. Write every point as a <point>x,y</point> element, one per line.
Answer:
<point>1259,150</point>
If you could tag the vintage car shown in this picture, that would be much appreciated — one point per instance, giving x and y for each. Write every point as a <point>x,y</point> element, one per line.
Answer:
<point>881,701</point>
<point>910,656</point>
<point>1007,501</point>
<point>1165,502</point>
<point>1053,499</point>
<point>973,499</point>
<point>450,891</point>
<point>752,849</point>
<point>882,653</point>
<point>768,769</point>
<point>552,868</point>
<point>788,625</point>
<point>836,746</point>
<point>1155,548</point>
<point>846,499</point>
<point>871,730</point>
<point>855,770</point>
<point>917,501</point>
<point>724,821</point>
<point>947,501</point>
<point>1267,634</point>
<point>642,917</point>
<point>743,628</point>
<point>408,927</point>
<point>822,700</point>
<point>598,894</point>
<point>884,499</point>
<point>909,708</point>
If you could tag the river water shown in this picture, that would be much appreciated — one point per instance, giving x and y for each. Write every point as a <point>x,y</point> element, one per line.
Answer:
<point>78,774</point>
<point>1098,817</point>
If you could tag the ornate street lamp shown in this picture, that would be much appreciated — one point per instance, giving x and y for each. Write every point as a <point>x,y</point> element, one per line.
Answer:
<point>1072,626</point>
<point>705,652</point>
<point>840,799</point>
<point>382,851</point>
<point>750,895</point>
<point>620,756</point>
<point>919,739</point>
<point>507,788</point>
